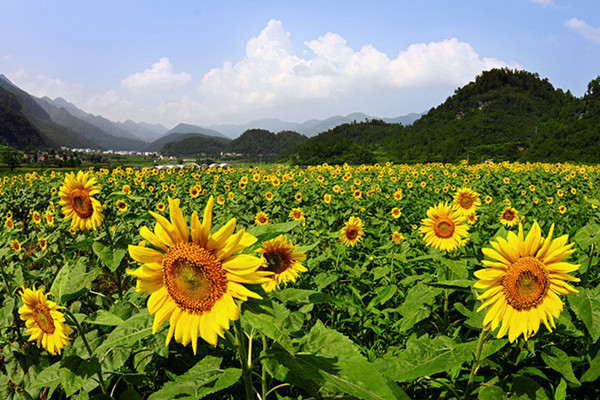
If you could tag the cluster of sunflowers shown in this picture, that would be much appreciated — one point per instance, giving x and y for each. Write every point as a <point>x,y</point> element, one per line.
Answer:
<point>195,278</point>
<point>198,278</point>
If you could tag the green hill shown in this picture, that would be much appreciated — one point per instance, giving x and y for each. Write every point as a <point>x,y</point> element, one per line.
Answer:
<point>195,146</point>
<point>261,141</point>
<point>502,115</point>
<point>15,129</point>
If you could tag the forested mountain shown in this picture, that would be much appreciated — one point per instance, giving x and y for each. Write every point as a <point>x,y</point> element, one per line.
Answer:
<point>261,141</point>
<point>502,115</point>
<point>17,131</point>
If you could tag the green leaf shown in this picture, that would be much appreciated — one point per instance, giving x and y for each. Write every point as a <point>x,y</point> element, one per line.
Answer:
<point>261,316</point>
<point>587,235</point>
<point>138,327</point>
<point>204,378</point>
<point>586,305</point>
<point>73,279</point>
<point>383,296</point>
<point>426,356</point>
<point>593,372</point>
<point>559,361</point>
<point>269,231</point>
<point>111,258</point>
<point>323,280</point>
<point>526,388</point>
<point>414,308</point>
<point>75,372</point>
<point>303,296</point>
<point>102,317</point>
<point>561,390</point>
<point>328,363</point>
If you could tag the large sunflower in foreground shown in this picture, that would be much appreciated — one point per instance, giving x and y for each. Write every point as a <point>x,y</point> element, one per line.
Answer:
<point>194,277</point>
<point>467,201</point>
<point>522,281</point>
<point>78,201</point>
<point>445,227</point>
<point>280,259</point>
<point>43,320</point>
<point>352,232</point>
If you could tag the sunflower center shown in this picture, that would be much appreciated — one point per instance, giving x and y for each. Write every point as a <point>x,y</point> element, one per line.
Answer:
<point>194,278</point>
<point>508,215</point>
<point>444,227</point>
<point>277,262</point>
<point>466,202</point>
<point>351,232</point>
<point>526,283</point>
<point>81,203</point>
<point>43,319</point>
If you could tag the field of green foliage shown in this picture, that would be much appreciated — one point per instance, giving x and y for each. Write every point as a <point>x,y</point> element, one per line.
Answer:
<point>368,282</point>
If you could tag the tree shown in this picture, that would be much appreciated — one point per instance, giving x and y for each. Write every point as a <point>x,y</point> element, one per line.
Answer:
<point>10,157</point>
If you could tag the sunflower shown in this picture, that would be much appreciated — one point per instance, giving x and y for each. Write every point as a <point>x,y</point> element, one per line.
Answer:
<point>16,246</point>
<point>44,322</point>
<point>444,228</point>
<point>523,280</point>
<point>78,201</point>
<point>194,192</point>
<point>280,259</point>
<point>261,218</point>
<point>467,200</point>
<point>9,224</point>
<point>397,237</point>
<point>509,217</point>
<point>269,196</point>
<point>43,243</point>
<point>121,205</point>
<point>36,217</point>
<point>396,213</point>
<point>49,218</point>
<point>194,277</point>
<point>327,198</point>
<point>352,232</point>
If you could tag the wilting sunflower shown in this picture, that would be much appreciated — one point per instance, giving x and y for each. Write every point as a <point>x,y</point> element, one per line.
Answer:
<point>509,217</point>
<point>44,322</point>
<point>523,280</point>
<point>467,200</point>
<point>194,277</point>
<point>352,232</point>
<point>78,201</point>
<point>444,228</point>
<point>280,259</point>
<point>261,218</point>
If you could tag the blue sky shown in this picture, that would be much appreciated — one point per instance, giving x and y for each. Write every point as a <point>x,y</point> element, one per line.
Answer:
<point>209,62</point>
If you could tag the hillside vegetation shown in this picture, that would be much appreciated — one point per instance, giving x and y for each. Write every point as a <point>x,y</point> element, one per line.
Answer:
<point>502,115</point>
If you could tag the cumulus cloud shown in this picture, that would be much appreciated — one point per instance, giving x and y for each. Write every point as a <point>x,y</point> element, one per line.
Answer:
<point>271,73</point>
<point>158,78</point>
<point>583,28</point>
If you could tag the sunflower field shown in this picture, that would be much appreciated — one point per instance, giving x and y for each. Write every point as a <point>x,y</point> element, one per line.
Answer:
<point>333,281</point>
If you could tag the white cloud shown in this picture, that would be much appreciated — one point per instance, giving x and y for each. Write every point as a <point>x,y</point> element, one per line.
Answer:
<point>543,2</point>
<point>583,28</point>
<point>42,85</point>
<point>158,78</point>
<point>271,74</point>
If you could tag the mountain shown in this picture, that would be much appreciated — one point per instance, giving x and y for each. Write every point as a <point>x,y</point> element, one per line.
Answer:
<point>148,132</point>
<point>308,128</point>
<point>104,124</point>
<point>89,130</point>
<point>502,115</point>
<point>55,135</point>
<point>158,145</point>
<point>16,130</point>
<point>196,145</point>
<point>262,141</point>
<point>186,128</point>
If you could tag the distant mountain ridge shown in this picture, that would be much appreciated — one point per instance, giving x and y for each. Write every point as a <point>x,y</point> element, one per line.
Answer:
<point>308,128</point>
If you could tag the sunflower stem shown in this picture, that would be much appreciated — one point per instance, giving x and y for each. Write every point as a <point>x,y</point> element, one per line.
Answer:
<point>243,355</point>
<point>118,277</point>
<point>263,378</point>
<point>87,346</point>
<point>476,362</point>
